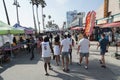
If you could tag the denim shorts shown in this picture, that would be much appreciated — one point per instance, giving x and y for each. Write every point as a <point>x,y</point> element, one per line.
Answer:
<point>102,52</point>
<point>65,54</point>
<point>84,54</point>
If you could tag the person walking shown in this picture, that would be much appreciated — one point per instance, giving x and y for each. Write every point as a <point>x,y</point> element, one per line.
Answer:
<point>83,49</point>
<point>32,46</point>
<point>76,38</point>
<point>39,41</point>
<point>70,49</point>
<point>65,46</point>
<point>103,42</point>
<point>57,49</point>
<point>51,37</point>
<point>46,53</point>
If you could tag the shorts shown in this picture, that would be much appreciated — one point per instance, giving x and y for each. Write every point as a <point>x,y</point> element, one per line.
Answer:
<point>65,54</point>
<point>84,54</point>
<point>46,59</point>
<point>102,52</point>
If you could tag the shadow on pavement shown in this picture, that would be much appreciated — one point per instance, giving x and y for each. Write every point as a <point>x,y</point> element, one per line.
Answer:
<point>77,72</point>
<point>65,76</point>
<point>22,58</point>
<point>1,78</point>
<point>94,72</point>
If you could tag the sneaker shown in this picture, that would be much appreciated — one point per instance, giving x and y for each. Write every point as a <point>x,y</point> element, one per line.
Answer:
<point>47,74</point>
<point>63,69</point>
<point>50,68</point>
<point>86,67</point>
<point>79,64</point>
<point>103,66</point>
<point>67,70</point>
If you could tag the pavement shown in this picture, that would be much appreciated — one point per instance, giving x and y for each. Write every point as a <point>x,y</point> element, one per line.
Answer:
<point>22,68</point>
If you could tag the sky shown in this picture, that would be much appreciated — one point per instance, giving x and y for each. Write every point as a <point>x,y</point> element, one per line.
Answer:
<point>56,8</point>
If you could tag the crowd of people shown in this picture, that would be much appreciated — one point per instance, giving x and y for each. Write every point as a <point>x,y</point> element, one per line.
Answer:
<point>62,50</point>
<point>60,45</point>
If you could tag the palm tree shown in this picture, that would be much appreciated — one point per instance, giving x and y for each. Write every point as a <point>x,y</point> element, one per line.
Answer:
<point>106,2</point>
<point>6,12</point>
<point>33,3</point>
<point>43,15</point>
<point>37,3</point>
<point>43,20</point>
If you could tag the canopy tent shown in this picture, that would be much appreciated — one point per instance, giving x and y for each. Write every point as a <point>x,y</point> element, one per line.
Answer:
<point>27,30</point>
<point>7,29</point>
<point>113,24</point>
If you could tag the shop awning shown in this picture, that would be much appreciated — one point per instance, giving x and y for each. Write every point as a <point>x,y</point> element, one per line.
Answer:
<point>77,28</point>
<point>107,25</point>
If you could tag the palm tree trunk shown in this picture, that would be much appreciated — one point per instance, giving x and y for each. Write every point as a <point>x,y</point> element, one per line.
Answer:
<point>34,20</point>
<point>42,18</point>
<point>6,12</point>
<point>38,18</point>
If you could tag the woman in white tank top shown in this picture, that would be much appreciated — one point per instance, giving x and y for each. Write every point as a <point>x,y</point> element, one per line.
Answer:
<point>57,50</point>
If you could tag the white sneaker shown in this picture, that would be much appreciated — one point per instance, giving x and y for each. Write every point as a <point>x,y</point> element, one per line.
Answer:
<point>86,67</point>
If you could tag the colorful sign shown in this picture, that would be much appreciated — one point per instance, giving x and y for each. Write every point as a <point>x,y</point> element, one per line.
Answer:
<point>90,22</point>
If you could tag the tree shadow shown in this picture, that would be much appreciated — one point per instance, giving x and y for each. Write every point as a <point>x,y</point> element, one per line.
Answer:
<point>1,78</point>
<point>21,58</point>
<point>65,76</point>
<point>94,72</point>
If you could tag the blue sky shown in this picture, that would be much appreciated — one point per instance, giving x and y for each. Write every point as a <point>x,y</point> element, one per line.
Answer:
<point>56,8</point>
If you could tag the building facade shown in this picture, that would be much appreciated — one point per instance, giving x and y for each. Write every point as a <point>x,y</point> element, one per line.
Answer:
<point>70,16</point>
<point>78,20</point>
<point>106,15</point>
<point>113,10</point>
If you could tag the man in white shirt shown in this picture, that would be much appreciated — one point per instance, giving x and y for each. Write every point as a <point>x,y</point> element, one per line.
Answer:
<point>83,49</point>
<point>46,54</point>
<point>65,46</point>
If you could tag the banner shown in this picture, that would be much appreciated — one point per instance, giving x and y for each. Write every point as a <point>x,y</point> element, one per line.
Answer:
<point>90,22</point>
<point>87,25</point>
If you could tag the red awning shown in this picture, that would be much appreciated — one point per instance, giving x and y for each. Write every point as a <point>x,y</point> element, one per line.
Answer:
<point>113,24</point>
<point>77,28</point>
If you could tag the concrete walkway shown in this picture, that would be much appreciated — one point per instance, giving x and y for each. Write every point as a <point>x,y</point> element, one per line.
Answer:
<point>21,68</point>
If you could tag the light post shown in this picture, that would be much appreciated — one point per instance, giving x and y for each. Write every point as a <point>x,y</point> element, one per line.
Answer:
<point>16,3</point>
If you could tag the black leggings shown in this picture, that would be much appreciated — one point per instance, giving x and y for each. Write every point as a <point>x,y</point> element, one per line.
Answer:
<point>70,54</point>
